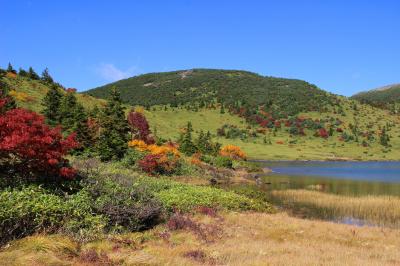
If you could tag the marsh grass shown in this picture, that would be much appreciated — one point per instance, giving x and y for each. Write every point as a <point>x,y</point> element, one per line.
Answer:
<point>376,210</point>
<point>246,239</point>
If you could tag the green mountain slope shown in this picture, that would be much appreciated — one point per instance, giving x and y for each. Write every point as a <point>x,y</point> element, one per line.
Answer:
<point>30,93</point>
<point>360,124</point>
<point>231,87</point>
<point>384,97</point>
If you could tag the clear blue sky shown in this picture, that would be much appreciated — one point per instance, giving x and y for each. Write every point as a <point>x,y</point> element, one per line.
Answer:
<point>341,46</point>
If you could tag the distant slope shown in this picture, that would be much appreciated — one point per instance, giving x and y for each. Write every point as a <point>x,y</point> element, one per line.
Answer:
<point>230,87</point>
<point>29,93</point>
<point>380,97</point>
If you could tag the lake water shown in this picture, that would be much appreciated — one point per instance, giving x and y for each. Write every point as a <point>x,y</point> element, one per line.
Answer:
<point>348,178</point>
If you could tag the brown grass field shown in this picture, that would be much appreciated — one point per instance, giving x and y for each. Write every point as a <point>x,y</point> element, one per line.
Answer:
<point>239,239</point>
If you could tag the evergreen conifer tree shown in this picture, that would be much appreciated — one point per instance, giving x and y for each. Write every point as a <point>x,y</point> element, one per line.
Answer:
<point>186,143</point>
<point>32,74</point>
<point>68,106</point>
<point>11,69</point>
<point>4,96</point>
<point>46,76</point>
<point>51,103</point>
<point>113,140</point>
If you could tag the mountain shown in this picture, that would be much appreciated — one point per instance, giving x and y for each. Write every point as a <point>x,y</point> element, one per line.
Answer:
<point>383,97</point>
<point>269,118</point>
<point>230,87</point>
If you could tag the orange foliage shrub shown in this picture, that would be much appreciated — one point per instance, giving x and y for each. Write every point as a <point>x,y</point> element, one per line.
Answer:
<point>280,142</point>
<point>233,152</point>
<point>11,75</point>
<point>195,159</point>
<point>160,159</point>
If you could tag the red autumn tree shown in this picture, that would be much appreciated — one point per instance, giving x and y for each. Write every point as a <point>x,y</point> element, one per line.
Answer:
<point>31,149</point>
<point>140,127</point>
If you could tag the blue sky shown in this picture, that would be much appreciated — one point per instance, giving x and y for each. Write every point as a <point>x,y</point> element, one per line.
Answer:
<point>341,46</point>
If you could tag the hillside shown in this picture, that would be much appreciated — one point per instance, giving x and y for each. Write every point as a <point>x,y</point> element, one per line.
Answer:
<point>199,87</point>
<point>356,128</point>
<point>384,97</point>
<point>30,93</point>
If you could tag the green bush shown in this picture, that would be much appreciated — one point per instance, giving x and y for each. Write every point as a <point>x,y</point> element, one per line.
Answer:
<point>132,156</point>
<point>32,209</point>
<point>221,161</point>
<point>126,207</point>
<point>184,197</point>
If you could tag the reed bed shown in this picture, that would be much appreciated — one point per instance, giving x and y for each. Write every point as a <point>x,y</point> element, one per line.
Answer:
<point>375,210</point>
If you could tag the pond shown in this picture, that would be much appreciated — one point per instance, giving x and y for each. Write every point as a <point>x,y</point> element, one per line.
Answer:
<point>345,178</point>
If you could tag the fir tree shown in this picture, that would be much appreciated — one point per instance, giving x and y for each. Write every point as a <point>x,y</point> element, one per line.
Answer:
<point>11,69</point>
<point>222,111</point>
<point>51,103</point>
<point>32,74</point>
<point>186,143</point>
<point>68,106</point>
<point>81,127</point>
<point>46,76</point>
<point>9,101</point>
<point>22,72</point>
<point>113,140</point>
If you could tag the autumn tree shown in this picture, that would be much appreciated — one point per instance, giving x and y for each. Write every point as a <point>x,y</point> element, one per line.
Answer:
<point>113,139</point>
<point>7,102</point>
<point>30,149</point>
<point>51,106</point>
<point>140,128</point>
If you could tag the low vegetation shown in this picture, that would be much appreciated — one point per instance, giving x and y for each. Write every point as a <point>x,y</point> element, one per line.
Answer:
<point>374,210</point>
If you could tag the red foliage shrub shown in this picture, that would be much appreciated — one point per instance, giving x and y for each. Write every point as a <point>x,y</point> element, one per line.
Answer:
<point>71,90</point>
<point>339,129</point>
<point>140,127</point>
<point>322,133</point>
<point>31,148</point>
<point>207,211</point>
<point>150,164</point>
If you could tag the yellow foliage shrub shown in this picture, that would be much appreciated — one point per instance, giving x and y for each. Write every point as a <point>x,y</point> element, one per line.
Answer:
<point>20,96</point>
<point>233,152</point>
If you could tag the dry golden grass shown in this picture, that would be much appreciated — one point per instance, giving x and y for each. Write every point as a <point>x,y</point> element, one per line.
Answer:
<point>379,210</point>
<point>247,239</point>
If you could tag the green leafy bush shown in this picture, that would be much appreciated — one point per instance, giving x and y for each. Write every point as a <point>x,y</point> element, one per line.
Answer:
<point>126,207</point>
<point>221,161</point>
<point>131,158</point>
<point>184,197</point>
<point>32,209</point>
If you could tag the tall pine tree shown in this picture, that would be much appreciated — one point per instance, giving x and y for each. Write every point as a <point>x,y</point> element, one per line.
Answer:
<point>51,103</point>
<point>68,105</point>
<point>9,101</point>
<point>11,69</point>
<point>32,74</point>
<point>186,144</point>
<point>46,76</point>
<point>113,140</point>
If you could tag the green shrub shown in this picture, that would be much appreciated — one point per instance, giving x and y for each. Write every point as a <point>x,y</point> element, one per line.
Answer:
<point>131,158</point>
<point>32,209</point>
<point>126,207</point>
<point>184,197</point>
<point>221,161</point>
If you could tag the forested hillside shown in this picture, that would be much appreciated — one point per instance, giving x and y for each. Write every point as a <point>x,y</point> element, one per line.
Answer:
<point>387,97</point>
<point>234,89</point>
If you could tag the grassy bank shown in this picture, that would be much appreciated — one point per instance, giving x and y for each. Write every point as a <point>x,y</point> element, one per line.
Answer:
<point>241,239</point>
<point>377,210</point>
